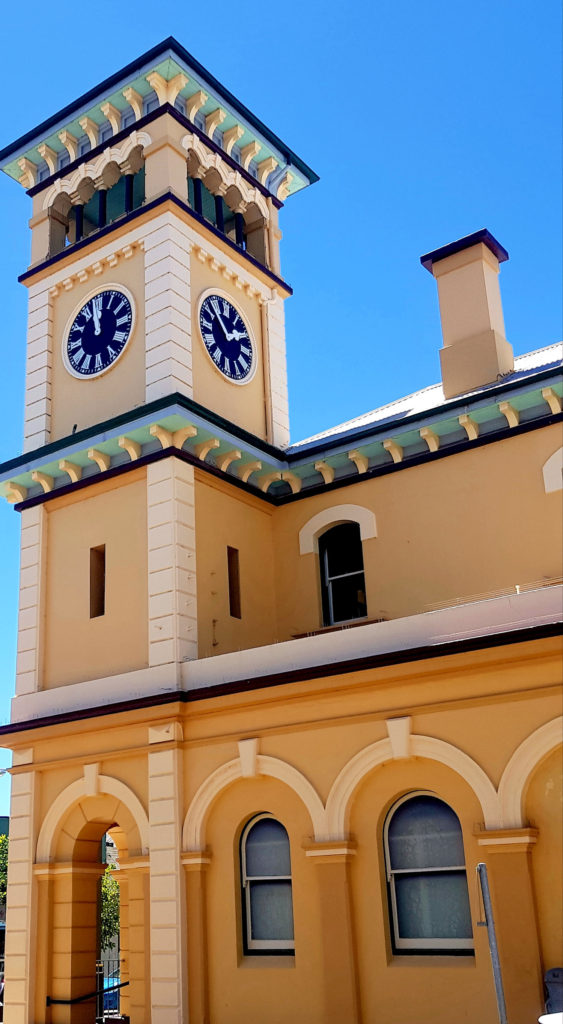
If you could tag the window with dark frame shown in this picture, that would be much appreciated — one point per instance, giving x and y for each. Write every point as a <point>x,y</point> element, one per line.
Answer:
<point>342,574</point>
<point>267,902</point>
<point>234,582</point>
<point>97,581</point>
<point>426,877</point>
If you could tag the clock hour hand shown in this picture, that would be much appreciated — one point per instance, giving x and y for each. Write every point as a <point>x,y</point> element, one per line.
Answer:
<point>96,314</point>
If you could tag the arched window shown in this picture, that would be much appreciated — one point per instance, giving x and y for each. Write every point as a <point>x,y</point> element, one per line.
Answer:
<point>342,574</point>
<point>426,875</point>
<point>267,906</point>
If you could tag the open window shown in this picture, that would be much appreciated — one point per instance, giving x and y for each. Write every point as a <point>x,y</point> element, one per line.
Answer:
<point>267,904</point>
<point>425,862</point>
<point>342,574</point>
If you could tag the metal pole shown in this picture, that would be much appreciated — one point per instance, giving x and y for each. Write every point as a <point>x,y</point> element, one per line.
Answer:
<point>489,923</point>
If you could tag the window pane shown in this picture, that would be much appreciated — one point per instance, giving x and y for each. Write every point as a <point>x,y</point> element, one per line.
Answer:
<point>267,849</point>
<point>343,546</point>
<point>425,833</point>
<point>433,906</point>
<point>270,910</point>
<point>348,598</point>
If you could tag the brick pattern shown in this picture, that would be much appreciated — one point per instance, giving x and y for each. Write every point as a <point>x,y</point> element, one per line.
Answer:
<point>168,309</point>
<point>37,422</point>
<point>167,901</point>
<point>278,372</point>
<point>172,562</point>
<point>33,539</point>
<point>19,937</point>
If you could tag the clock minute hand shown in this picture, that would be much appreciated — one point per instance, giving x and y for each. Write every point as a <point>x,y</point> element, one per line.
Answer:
<point>96,315</point>
<point>223,328</point>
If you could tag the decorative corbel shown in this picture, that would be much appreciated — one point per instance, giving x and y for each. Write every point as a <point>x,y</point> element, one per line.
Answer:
<point>49,156</point>
<point>164,436</point>
<point>269,478</point>
<point>553,400</point>
<point>180,436</point>
<point>283,187</point>
<point>360,461</point>
<point>74,471</point>
<point>70,143</point>
<point>102,460</point>
<point>224,461</point>
<point>113,115</point>
<point>195,103</point>
<point>28,175</point>
<point>132,448</point>
<point>135,101</point>
<point>293,480</point>
<point>213,120</point>
<point>46,481</point>
<point>395,450</point>
<point>431,438</point>
<point>470,426</point>
<point>16,492</point>
<point>248,153</point>
<point>231,137</point>
<point>91,129</point>
<point>511,414</point>
<point>204,447</point>
<point>245,471</point>
<point>265,168</point>
<point>326,471</point>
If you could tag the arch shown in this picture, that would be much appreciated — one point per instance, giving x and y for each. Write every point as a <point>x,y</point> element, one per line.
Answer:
<point>338,803</point>
<point>519,768</point>
<point>193,833</point>
<point>77,791</point>
<point>94,168</point>
<point>309,533</point>
<point>553,472</point>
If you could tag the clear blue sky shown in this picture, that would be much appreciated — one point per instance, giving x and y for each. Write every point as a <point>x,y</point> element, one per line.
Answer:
<point>425,122</point>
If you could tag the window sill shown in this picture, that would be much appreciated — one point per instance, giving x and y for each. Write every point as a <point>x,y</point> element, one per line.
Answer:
<point>266,961</point>
<point>337,627</point>
<point>464,959</point>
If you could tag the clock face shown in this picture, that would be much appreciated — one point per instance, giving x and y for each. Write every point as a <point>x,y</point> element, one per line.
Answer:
<point>226,338</point>
<point>98,333</point>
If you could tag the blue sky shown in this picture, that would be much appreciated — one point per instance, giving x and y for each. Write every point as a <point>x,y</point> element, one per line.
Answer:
<point>424,121</point>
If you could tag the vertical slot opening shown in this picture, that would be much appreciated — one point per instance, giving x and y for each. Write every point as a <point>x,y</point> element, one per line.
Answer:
<point>97,581</point>
<point>234,582</point>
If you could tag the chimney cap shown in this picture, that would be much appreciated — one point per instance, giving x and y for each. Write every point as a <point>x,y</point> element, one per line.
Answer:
<point>483,235</point>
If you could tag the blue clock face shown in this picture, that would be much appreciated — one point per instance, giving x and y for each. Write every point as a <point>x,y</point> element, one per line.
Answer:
<point>226,338</point>
<point>99,333</point>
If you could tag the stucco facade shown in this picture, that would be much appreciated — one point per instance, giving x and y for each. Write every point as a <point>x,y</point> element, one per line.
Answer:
<point>205,678</point>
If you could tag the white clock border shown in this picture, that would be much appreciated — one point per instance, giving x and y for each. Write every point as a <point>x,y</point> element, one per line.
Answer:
<point>222,294</point>
<point>83,302</point>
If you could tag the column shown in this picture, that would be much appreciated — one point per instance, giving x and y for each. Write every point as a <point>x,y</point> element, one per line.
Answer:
<point>133,878</point>
<point>32,561</point>
<point>195,868</point>
<point>21,898</point>
<point>274,340</point>
<point>168,932</point>
<point>340,973</point>
<point>507,853</point>
<point>37,424</point>
<point>171,562</point>
<point>167,309</point>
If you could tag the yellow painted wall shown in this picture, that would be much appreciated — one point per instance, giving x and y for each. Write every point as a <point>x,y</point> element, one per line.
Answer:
<point>432,520</point>
<point>544,810</point>
<point>76,646</point>
<point>243,404</point>
<point>225,517</point>
<point>90,401</point>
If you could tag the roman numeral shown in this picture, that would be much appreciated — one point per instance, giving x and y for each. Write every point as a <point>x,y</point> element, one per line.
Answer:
<point>206,323</point>
<point>226,307</point>
<point>87,314</point>
<point>97,303</point>
<point>123,319</point>
<point>76,327</point>
<point>215,306</point>
<point>111,298</point>
<point>86,362</point>
<point>121,305</point>
<point>74,344</point>
<point>77,357</point>
<point>244,349</point>
<point>111,352</point>
<point>216,355</point>
<point>98,364</point>
<point>227,365</point>
<point>120,336</point>
<point>209,339</point>
<point>243,363</point>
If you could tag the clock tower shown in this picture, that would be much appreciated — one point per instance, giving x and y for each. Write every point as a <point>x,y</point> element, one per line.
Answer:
<point>155,370</point>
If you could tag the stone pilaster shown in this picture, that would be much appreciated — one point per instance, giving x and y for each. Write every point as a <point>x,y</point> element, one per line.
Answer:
<point>37,423</point>
<point>33,540</point>
<point>168,341</point>
<point>21,897</point>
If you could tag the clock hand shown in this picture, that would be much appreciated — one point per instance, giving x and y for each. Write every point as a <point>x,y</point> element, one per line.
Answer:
<point>96,314</point>
<point>223,328</point>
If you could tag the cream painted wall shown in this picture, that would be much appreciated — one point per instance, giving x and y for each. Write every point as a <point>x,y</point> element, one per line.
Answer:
<point>89,401</point>
<point>228,517</point>
<point>544,810</point>
<point>76,646</point>
<point>243,404</point>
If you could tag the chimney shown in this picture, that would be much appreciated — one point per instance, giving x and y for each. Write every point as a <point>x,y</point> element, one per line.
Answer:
<point>475,350</point>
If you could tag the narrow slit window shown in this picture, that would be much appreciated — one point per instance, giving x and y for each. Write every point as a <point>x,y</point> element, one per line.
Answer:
<point>234,582</point>
<point>97,581</point>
